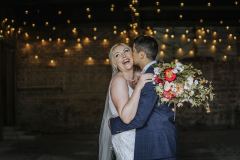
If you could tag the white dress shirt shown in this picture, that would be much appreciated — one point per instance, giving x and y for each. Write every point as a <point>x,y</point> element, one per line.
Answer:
<point>147,66</point>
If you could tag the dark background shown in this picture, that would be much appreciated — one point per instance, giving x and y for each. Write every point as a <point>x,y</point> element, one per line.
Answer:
<point>54,110</point>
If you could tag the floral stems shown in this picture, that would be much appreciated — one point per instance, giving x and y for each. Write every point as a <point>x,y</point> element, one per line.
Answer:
<point>175,110</point>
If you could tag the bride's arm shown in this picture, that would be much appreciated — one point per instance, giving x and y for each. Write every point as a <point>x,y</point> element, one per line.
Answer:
<point>125,105</point>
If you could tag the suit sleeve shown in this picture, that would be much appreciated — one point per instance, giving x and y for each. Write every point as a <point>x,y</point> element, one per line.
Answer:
<point>148,100</point>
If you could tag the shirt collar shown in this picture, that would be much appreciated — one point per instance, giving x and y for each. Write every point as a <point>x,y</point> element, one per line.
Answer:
<point>147,66</point>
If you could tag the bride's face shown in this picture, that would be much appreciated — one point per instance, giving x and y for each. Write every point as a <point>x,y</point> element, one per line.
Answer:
<point>123,59</point>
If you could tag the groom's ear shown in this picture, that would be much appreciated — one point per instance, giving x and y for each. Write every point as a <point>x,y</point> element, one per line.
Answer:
<point>142,54</point>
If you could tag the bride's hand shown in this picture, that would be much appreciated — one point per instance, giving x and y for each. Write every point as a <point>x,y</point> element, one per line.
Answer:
<point>144,78</point>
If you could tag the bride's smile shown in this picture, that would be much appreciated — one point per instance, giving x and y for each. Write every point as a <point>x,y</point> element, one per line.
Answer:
<point>127,62</point>
<point>123,58</point>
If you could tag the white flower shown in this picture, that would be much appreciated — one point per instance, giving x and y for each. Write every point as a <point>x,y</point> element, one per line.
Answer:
<point>157,70</point>
<point>196,82</point>
<point>179,66</point>
<point>191,101</point>
<point>179,104</point>
<point>191,93</point>
<point>167,86</point>
<point>174,88</point>
<point>181,69</point>
<point>187,86</point>
<point>190,80</point>
<point>175,71</point>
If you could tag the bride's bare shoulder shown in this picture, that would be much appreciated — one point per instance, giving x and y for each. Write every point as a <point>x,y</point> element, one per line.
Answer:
<point>118,79</point>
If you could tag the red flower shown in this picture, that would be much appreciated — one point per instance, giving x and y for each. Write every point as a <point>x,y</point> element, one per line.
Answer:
<point>157,80</point>
<point>169,94</point>
<point>169,75</point>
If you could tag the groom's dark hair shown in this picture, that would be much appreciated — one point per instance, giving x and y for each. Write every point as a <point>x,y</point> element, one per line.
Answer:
<point>146,44</point>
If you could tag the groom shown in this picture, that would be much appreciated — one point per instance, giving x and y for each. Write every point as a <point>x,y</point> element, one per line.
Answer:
<point>155,130</point>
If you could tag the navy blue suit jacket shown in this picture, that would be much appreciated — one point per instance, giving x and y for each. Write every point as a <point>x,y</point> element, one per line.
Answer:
<point>155,130</point>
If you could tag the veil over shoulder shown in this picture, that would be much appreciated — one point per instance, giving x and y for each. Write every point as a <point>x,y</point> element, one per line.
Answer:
<point>105,136</point>
<point>105,144</point>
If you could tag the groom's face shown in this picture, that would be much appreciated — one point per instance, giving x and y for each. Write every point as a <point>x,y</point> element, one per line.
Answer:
<point>136,57</point>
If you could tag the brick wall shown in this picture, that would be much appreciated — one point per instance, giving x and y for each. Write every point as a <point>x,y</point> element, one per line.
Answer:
<point>71,95</point>
<point>62,98</point>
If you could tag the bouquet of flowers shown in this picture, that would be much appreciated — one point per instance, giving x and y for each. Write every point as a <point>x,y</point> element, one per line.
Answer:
<point>178,83</point>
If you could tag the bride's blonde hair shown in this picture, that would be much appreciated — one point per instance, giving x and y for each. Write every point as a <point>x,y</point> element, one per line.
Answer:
<point>111,57</point>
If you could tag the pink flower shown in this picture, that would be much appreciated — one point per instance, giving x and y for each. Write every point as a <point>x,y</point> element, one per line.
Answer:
<point>169,94</point>
<point>157,80</point>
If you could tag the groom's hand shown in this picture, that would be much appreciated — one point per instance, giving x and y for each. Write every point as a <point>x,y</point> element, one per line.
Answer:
<point>135,79</point>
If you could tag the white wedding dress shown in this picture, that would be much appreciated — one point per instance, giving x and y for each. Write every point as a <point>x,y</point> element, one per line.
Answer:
<point>123,143</point>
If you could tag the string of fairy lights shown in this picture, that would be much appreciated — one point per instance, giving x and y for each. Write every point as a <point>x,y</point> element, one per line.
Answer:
<point>208,36</point>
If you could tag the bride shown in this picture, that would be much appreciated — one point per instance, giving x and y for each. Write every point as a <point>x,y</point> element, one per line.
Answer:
<point>122,100</point>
